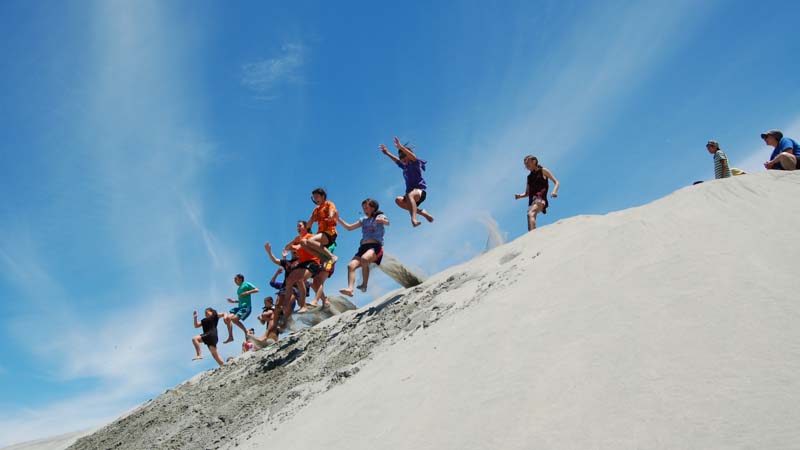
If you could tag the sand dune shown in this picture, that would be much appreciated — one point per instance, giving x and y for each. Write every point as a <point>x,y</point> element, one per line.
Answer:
<point>672,325</point>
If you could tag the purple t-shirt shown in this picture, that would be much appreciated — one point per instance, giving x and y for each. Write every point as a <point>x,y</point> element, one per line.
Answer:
<point>412,172</point>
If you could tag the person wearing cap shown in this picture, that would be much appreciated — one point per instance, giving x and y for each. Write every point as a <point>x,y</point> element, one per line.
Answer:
<point>785,155</point>
<point>721,167</point>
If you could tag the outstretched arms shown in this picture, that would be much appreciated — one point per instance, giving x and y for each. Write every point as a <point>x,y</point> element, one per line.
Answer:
<point>386,152</point>
<point>348,226</point>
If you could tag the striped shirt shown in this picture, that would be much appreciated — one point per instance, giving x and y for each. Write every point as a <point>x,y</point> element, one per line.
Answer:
<point>719,170</point>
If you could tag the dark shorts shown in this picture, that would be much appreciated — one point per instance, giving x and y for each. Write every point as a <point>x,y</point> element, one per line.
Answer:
<point>331,238</point>
<point>422,197</point>
<point>242,312</point>
<point>311,266</point>
<point>364,248</point>
<point>210,339</point>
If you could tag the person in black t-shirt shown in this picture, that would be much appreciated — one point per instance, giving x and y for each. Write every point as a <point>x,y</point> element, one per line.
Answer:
<point>209,336</point>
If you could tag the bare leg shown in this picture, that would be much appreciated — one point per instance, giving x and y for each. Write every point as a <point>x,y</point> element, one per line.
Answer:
<point>412,202</point>
<point>319,288</point>
<point>196,341</point>
<point>227,319</point>
<point>213,350</point>
<point>426,215</point>
<point>239,324</point>
<point>369,255</point>
<point>351,277</point>
<point>532,211</point>
<point>298,278</point>
<point>409,203</point>
<point>319,244</point>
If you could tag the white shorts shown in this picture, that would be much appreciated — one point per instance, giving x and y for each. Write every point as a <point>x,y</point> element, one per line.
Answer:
<point>536,201</point>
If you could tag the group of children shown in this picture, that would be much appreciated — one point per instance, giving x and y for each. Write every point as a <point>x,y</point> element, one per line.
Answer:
<point>309,260</point>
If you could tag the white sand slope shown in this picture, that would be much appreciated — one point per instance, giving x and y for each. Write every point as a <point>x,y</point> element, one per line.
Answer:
<point>669,326</point>
<point>673,325</point>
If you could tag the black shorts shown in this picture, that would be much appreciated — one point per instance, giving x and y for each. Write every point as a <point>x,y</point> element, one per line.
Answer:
<point>364,248</point>
<point>331,238</point>
<point>311,266</point>
<point>210,339</point>
<point>422,197</point>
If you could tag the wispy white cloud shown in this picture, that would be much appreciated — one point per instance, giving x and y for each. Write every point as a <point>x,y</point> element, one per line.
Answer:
<point>143,159</point>
<point>263,77</point>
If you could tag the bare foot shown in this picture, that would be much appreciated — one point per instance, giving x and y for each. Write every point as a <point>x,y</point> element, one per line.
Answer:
<point>196,358</point>
<point>347,292</point>
<point>229,340</point>
<point>427,216</point>
<point>362,287</point>
<point>326,303</point>
<point>334,258</point>
<point>416,223</point>
<point>302,310</point>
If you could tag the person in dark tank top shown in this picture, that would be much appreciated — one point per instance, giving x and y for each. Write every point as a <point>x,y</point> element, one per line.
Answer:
<point>538,183</point>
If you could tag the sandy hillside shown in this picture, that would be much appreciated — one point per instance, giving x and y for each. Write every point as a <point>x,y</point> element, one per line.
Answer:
<point>672,325</point>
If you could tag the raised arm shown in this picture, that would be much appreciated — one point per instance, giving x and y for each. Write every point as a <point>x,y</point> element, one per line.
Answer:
<point>406,150</point>
<point>556,184</point>
<point>386,152</point>
<point>272,257</point>
<point>196,323</point>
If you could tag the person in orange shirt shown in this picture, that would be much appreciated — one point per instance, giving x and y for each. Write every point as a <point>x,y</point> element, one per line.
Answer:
<point>325,217</point>
<point>308,266</point>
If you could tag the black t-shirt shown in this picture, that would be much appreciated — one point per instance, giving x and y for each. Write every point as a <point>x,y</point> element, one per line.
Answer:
<point>537,186</point>
<point>210,324</point>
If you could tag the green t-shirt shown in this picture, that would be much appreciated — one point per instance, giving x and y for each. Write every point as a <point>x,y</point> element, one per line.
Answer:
<point>244,300</point>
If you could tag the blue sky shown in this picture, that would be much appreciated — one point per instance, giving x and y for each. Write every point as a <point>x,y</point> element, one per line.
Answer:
<point>149,149</point>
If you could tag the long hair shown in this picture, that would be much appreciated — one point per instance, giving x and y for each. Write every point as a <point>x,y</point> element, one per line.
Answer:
<point>375,206</point>
<point>213,311</point>
<point>400,153</point>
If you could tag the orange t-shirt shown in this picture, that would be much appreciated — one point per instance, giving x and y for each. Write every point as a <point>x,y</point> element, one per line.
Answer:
<point>304,255</point>
<point>322,216</point>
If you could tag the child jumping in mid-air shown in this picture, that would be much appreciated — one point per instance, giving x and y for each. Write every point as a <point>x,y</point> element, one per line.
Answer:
<point>324,215</point>
<point>371,247</point>
<point>415,185</point>
<point>243,309</point>
<point>209,336</point>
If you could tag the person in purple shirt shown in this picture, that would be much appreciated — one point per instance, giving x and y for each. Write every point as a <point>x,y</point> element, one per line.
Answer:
<point>786,155</point>
<point>416,189</point>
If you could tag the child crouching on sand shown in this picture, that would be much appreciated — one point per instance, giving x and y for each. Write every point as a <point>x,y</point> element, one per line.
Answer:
<point>209,336</point>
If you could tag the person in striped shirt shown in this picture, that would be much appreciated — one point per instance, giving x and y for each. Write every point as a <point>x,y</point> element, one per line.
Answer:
<point>721,167</point>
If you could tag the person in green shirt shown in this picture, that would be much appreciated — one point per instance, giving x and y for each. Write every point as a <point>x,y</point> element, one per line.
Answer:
<point>242,310</point>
